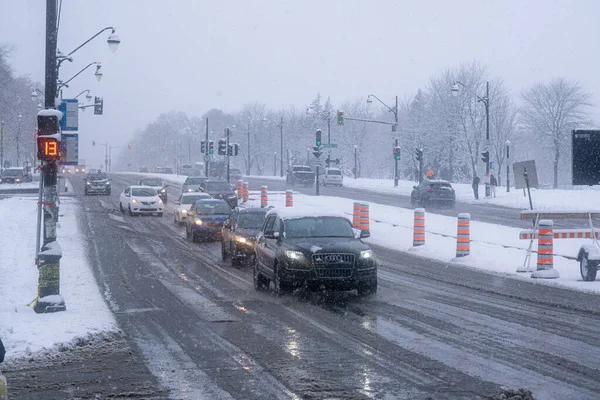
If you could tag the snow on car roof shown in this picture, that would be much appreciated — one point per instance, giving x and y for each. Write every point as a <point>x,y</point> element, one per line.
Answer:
<point>285,213</point>
<point>196,194</point>
<point>139,187</point>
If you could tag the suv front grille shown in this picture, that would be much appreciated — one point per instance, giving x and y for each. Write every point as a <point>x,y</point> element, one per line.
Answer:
<point>333,265</point>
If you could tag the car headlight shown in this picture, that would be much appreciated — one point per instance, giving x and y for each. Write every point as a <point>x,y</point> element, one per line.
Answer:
<point>184,212</point>
<point>160,201</point>
<point>241,239</point>
<point>294,255</point>
<point>163,190</point>
<point>88,183</point>
<point>107,183</point>
<point>190,190</point>
<point>366,254</point>
<point>198,222</point>
<point>17,180</point>
<point>134,201</point>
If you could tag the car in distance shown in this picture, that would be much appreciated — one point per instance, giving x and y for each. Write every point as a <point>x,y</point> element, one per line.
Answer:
<point>138,200</point>
<point>15,175</point>
<point>220,189</point>
<point>97,182</point>
<point>193,183</point>
<point>295,249</point>
<point>157,185</point>
<point>144,169</point>
<point>333,177</point>
<point>430,192</point>
<point>234,174</point>
<point>184,203</point>
<point>238,235</point>
<point>301,174</point>
<point>206,218</point>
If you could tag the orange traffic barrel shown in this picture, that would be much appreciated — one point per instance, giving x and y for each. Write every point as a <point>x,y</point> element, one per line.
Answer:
<point>364,217</point>
<point>356,216</point>
<point>419,227</point>
<point>246,194</point>
<point>545,260</point>
<point>463,235</point>
<point>289,198</point>
<point>240,189</point>
<point>264,201</point>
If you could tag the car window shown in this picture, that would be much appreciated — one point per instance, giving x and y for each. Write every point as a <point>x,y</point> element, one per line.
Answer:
<point>269,224</point>
<point>12,172</point>
<point>277,225</point>
<point>143,192</point>
<point>318,227</point>
<point>194,181</point>
<point>250,220</point>
<point>212,208</point>
<point>441,185</point>
<point>97,176</point>
<point>334,172</point>
<point>193,199</point>
<point>127,191</point>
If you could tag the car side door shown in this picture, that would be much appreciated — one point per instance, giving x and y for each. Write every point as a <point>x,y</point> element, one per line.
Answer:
<point>228,229</point>
<point>261,243</point>
<point>272,244</point>
<point>123,198</point>
<point>191,216</point>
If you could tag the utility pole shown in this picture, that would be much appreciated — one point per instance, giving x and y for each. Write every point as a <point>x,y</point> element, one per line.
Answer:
<point>275,164</point>
<point>49,255</point>
<point>207,154</point>
<point>228,133</point>
<point>1,145</point>
<point>328,127</point>
<point>106,157</point>
<point>20,117</point>
<point>249,155</point>
<point>507,166</point>
<point>486,102</point>
<point>281,152</point>
<point>396,167</point>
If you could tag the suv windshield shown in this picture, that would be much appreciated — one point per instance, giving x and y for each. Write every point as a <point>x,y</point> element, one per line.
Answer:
<point>318,227</point>
<point>143,192</point>
<point>212,208</point>
<point>193,199</point>
<point>97,177</point>
<point>151,182</point>
<point>218,187</point>
<point>13,172</point>
<point>253,220</point>
<point>195,181</point>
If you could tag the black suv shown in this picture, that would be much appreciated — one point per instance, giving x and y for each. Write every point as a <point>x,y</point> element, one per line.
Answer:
<point>97,182</point>
<point>220,189</point>
<point>312,251</point>
<point>430,192</point>
<point>238,235</point>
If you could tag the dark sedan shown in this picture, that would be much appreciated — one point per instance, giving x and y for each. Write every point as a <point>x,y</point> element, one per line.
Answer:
<point>433,192</point>
<point>220,189</point>
<point>239,234</point>
<point>312,251</point>
<point>97,183</point>
<point>206,218</point>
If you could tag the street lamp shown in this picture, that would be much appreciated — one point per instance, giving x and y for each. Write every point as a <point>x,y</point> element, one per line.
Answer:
<point>507,143</point>
<point>88,96</point>
<point>280,126</point>
<point>34,94</point>
<point>113,41</point>
<point>393,110</point>
<point>98,72</point>
<point>486,102</point>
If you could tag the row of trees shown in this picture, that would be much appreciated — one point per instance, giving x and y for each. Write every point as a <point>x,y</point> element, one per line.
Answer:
<point>451,129</point>
<point>17,114</point>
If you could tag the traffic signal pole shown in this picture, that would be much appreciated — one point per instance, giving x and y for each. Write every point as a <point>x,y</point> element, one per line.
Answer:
<point>396,168</point>
<point>487,138</point>
<point>207,154</point>
<point>49,255</point>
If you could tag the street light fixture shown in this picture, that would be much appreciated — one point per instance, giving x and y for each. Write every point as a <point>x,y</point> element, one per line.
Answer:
<point>507,143</point>
<point>88,96</point>
<point>98,72</point>
<point>113,41</point>
<point>34,94</point>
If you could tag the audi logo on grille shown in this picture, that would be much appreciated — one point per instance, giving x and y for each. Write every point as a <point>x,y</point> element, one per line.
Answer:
<point>333,258</point>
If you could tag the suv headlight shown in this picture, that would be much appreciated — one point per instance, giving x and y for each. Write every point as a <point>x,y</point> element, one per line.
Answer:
<point>241,239</point>
<point>198,222</point>
<point>134,201</point>
<point>184,212</point>
<point>294,255</point>
<point>88,183</point>
<point>160,201</point>
<point>107,183</point>
<point>163,190</point>
<point>366,254</point>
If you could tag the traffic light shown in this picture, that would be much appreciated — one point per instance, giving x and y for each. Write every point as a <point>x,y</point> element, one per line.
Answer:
<point>397,152</point>
<point>48,135</point>
<point>222,150</point>
<point>340,117</point>
<point>419,154</point>
<point>317,151</point>
<point>230,149</point>
<point>93,142</point>
<point>98,105</point>
<point>485,157</point>
<point>318,137</point>
<point>211,147</point>
<point>203,146</point>
<point>236,149</point>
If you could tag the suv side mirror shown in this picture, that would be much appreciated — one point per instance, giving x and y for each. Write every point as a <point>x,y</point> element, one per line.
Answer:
<point>270,235</point>
<point>365,234</point>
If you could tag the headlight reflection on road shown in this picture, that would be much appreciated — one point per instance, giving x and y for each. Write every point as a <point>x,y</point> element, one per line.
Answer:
<point>292,343</point>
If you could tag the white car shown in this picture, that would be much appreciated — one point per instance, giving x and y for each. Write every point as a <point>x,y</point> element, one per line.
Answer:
<point>184,204</point>
<point>141,200</point>
<point>333,176</point>
<point>157,185</point>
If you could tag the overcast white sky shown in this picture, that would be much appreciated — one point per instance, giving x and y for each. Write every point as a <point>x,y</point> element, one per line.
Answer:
<point>193,55</point>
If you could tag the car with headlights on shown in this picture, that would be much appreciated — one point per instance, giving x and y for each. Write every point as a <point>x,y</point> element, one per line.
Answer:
<point>157,185</point>
<point>238,235</point>
<point>193,183</point>
<point>220,189</point>
<point>312,250</point>
<point>184,203</point>
<point>15,175</point>
<point>138,200</point>
<point>97,182</point>
<point>206,218</point>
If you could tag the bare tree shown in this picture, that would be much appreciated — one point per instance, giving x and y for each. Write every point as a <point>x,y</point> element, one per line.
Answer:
<point>551,110</point>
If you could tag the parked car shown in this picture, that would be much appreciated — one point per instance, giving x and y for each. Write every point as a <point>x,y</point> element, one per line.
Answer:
<point>301,174</point>
<point>184,203</point>
<point>193,183</point>
<point>15,175</point>
<point>138,200</point>
<point>158,185</point>
<point>206,219</point>
<point>97,183</point>
<point>307,250</point>
<point>238,235</point>
<point>332,176</point>
<point>220,189</point>
<point>144,169</point>
<point>431,192</point>
<point>234,175</point>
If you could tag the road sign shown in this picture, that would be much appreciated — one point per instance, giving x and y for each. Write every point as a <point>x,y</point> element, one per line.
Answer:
<point>69,149</point>
<point>421,146</point>
<point>330,145</point>
<point>519,170</point>
<point>70,115</point>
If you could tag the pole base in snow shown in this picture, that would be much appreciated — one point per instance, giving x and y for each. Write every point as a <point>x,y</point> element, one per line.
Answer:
<point>50,304</point>
<point>550,273</point>
<point>523,268</point>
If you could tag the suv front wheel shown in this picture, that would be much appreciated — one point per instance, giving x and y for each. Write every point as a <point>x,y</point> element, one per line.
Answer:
<point>367,288</point>
<point>281,287</point>
<point>261,283</point>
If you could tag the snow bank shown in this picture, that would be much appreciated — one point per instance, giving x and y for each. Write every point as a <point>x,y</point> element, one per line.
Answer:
<point>22,330</point>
